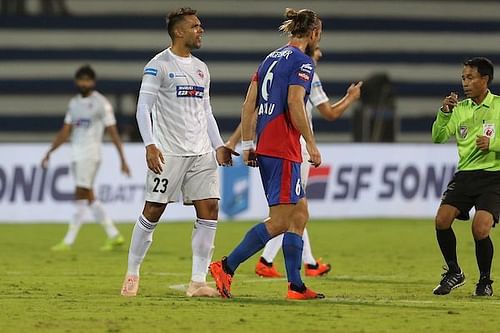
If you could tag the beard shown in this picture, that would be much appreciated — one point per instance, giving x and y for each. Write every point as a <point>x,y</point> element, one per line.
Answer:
<point>85,91</point>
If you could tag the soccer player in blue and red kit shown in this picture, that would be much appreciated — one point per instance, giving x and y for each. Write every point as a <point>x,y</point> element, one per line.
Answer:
<point>277,94</point>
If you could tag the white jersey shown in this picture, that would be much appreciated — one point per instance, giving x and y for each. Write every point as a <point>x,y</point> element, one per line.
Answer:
<point>89,116</point>
<point>316,97</point>
<point>183,100</point>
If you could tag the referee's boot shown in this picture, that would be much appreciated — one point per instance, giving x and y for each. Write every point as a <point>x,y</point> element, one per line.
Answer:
<point>483,287</point>
<point>451,280</point>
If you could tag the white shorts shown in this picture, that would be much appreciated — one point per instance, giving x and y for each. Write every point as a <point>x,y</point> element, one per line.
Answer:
<point>84,172</point>
<point>195,177</point>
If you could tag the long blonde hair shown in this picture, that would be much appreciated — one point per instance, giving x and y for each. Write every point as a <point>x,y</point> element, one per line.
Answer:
<point>299,23</point>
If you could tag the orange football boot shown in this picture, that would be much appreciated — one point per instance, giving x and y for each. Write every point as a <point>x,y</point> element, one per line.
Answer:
<point>263,270</point>
<point>222,279</point>
<point>305,295</point>
<point>319,270</point>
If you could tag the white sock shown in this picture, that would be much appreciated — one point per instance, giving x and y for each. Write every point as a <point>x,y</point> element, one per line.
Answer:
<point>202,244</point>
<point>142,237</point>
<point>272,247</point>
<point>76,222</point>
<point>307,256</point>
<point>100,216</point>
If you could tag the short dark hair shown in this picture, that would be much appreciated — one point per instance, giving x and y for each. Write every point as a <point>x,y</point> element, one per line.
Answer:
<point>85,70</point>
<point>484,66</point>
<point>176,16</point>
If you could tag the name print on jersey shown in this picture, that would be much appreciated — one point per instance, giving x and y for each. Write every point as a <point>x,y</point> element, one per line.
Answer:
<point>190,91</point>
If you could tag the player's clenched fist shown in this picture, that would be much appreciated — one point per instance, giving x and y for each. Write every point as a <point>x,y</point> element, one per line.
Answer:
<point>155,159</point>
<point>250,158</point>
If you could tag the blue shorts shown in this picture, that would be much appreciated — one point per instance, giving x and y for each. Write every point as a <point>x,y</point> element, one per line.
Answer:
<point>281,180</point>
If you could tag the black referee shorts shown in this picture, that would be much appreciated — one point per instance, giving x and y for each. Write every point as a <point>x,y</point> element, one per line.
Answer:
<point>478,188</point>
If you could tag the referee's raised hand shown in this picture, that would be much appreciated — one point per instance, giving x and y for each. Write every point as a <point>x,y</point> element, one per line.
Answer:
<point>155,159</point>
<point>449,102</point>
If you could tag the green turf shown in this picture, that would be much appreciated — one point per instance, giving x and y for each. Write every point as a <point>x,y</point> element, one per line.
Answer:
<point>382,280</point>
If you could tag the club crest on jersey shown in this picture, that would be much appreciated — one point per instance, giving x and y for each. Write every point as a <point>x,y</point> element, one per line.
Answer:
<point>200,73</point>
<point>463,131</point>
<point>150,71</point>
<point>190,91</point>
<point>489,130</point>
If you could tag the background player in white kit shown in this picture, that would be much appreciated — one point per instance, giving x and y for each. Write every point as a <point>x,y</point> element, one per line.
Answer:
<point>89,115</point>
<point>180,143</point>
<point>331,112</point>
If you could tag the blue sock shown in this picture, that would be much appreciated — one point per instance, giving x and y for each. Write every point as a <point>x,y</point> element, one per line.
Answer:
<point>292,250</point>
<point>255,239</point>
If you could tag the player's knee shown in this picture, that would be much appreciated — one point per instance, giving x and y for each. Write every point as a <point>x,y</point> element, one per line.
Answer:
<point>443,221</point>
<point>152,211</point>
<point>481,230</point>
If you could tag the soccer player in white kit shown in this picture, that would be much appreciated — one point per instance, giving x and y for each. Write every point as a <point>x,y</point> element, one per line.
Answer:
<point>89,115</point>
<point>331,112</point>
<point>180,142</point>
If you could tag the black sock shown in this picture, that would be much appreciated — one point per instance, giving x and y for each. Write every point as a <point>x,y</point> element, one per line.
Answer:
<point>299,289</point>
<point>265,262</point>
<point>226,268</point>
<point>484,256</point>
<point>448,245</point>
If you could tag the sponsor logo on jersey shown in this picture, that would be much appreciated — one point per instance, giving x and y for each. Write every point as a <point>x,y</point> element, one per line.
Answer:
<point>316,84</point>
<point>190,91</point>
<point>82,122</point>
<point>306,68</point>
<point>304,76</point>
<point>150,71</point>
<point>200,73</point>
<point>174,75</point>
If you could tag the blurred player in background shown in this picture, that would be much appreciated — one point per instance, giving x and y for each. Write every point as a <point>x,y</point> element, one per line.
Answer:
<point>279,91</point>
<point>331,112</point>
<point>473,121</point>
<point>180,143</point>
<point>89,115</point>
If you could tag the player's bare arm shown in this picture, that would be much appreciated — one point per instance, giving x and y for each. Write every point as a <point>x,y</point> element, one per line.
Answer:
<point>115,138</point>
<point>334,111</point>
<point>248,123</point>
<point>301,122</point>
<point>61,137</point>
<point>449,102</point>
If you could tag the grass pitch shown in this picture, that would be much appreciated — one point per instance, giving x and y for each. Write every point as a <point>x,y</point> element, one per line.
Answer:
<point>382,280</point>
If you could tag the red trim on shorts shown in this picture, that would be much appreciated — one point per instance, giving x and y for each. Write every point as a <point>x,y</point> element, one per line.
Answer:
<point>286,180</point>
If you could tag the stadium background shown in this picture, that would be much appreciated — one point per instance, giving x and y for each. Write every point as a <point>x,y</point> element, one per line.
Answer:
<point>383,269</point>
<point>409,56</point>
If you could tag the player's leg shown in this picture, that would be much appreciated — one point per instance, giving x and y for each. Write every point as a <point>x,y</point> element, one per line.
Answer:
<point>312,267</point>
<point>200,187</point>
<point>142,237</point>
<point>202,245</point>
<point>100,215</point>
<point>453,277</point>
<point>160,190</point>
<point>481,227</point>
<point>82,198</point>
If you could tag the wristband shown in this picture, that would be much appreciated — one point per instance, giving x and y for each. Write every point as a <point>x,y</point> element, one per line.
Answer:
<point>247,145</point>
